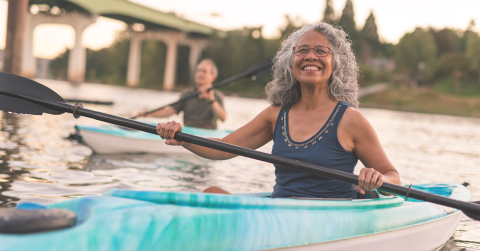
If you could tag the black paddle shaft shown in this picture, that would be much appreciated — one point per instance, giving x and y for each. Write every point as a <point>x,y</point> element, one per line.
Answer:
<point>471,209</point>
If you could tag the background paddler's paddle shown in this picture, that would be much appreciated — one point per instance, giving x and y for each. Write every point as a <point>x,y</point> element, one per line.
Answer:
<point>257,70</point>
<point>21,95</point>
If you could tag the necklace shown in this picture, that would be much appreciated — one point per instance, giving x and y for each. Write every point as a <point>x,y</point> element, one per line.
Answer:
<point>312,140</point>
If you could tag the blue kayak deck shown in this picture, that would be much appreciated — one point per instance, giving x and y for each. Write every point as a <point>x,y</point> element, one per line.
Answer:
<point>146,220</point>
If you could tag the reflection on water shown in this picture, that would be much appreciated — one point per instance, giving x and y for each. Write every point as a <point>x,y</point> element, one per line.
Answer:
<point>37,164</point>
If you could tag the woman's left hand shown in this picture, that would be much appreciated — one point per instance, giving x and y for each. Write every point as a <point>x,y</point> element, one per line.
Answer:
<point>369,179</point>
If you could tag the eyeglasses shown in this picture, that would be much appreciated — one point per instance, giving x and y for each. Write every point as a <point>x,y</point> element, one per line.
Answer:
<point>319,51</point>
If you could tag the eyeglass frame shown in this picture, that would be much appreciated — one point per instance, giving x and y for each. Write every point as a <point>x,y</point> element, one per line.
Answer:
<point>329,50</point>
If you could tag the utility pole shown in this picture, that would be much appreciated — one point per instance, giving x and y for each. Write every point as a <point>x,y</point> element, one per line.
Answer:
<point>16,22</point>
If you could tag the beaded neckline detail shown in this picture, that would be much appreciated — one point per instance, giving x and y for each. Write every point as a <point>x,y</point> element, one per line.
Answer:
<point>312,140</point>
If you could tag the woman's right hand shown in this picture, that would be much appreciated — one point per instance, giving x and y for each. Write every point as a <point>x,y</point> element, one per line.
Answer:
<point>167,130</point>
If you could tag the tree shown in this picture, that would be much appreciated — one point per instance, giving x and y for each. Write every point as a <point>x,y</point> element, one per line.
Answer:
<point>369,32</point>
<point>58,66</point>
<point>292,25</point>
<point>347,23</point>
<point>370,43</point>
<point>329,13</point>
<point>447,41</point>
<point>416,53</point>
<point>472,49</point>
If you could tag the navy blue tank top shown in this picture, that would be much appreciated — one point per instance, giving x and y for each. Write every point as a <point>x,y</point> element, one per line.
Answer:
<point>322,149</point>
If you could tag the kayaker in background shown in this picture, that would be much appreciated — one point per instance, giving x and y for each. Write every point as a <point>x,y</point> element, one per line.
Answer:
<point>202,111</point>
<point>312,118</point>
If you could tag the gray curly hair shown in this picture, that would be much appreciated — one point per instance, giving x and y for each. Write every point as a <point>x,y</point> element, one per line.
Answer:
<point>285,89</point>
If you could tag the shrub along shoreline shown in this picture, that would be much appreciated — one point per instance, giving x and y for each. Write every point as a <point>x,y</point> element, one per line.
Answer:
<point>423,100</point>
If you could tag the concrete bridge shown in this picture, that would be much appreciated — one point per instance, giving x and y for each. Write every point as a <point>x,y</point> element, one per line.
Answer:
<point>143,23</point>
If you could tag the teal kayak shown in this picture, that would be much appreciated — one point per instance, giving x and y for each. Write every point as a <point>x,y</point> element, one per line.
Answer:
<point>152,220</point>
<point>110,139</point>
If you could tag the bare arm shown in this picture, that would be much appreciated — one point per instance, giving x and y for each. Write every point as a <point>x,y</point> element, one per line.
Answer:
<point>356,134</point>
<point>254,134</point>
<point>162,113</point>
<point>209,94</point>
<point>219,111</point>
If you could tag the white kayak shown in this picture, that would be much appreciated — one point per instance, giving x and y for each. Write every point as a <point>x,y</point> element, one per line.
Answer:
<point>109,139</point>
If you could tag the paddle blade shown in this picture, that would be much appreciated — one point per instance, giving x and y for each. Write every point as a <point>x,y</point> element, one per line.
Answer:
<point>15,84</point>
<point>471,215</point>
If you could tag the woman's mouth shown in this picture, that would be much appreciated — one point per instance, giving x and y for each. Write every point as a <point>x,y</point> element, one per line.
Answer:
<point>311,68</point>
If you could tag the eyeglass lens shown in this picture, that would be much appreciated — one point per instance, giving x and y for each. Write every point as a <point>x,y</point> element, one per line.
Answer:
<point>303,50</point>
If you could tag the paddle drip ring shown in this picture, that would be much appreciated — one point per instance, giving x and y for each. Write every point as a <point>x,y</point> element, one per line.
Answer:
<point>408,191</point>
<point>75,108</point>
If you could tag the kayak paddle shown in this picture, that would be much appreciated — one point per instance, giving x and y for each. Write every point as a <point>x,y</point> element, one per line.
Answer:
<point>95,102</point>
<point>25,96</point>
<point>259,69</point>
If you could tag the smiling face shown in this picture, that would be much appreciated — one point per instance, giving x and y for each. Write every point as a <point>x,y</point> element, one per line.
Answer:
<point>204,74</point>
<point>311,69</point>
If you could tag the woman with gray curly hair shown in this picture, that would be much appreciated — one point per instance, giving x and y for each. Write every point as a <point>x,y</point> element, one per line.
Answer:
<point>312,118</point>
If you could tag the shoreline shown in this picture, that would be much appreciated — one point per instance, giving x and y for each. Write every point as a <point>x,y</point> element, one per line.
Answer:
<point>395,97</point>
<point>401,98</point>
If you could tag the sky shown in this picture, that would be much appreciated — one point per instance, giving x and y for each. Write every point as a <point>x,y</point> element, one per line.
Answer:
<point>393,18</point>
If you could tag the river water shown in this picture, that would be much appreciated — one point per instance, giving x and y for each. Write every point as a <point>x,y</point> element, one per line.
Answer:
<point>38,164</point>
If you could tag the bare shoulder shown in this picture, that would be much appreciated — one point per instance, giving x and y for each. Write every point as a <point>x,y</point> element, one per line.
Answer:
<point>354,120</point>
<point>270,113</point>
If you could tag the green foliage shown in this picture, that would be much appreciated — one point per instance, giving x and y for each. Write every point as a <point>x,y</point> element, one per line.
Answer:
<point>237,52</point>
<point>370,75</point>
<point>468,88</point>
<point>369,32</point>
<point>108,65</point>
<point>370,43</point>
<point>118,62</point>
<point>290,27</point>
<point>97,65</point>
<point>447,41</point>
<point>152,64</point>
<point>452,63</point>
<point>183,77</point>
<point>58,66</point>
<point>329,13</point>
<point>416,53</point>
<point>347,22</point>
<point>472,49</point>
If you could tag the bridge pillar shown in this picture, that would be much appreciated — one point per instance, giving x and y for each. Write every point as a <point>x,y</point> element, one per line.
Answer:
<point>77,57</point>
<point>77,60</point>
<point>170,64</point>
<point>196,48</point>
<point>29,64</point>
<point>15,39</point>
<point>134,59</point>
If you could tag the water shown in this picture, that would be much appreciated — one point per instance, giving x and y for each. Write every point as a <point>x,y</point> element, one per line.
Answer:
<point>37,164</point>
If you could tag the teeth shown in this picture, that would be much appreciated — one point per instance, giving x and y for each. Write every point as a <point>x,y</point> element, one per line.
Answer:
<point>310,68</point>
